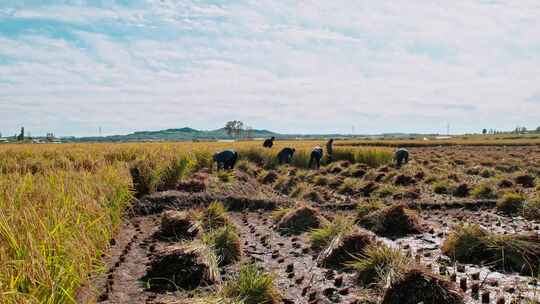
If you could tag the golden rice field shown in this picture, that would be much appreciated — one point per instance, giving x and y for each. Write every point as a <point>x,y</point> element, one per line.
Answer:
<point>60,204</point>
<point>465,140</point>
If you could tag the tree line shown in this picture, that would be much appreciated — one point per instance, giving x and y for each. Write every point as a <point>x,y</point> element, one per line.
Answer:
<point>517,130</point>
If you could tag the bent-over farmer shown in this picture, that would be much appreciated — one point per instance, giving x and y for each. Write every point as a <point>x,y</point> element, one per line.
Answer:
<point>285,155</point>
<point>226,159</point>
<point>401,157</point>
<point>315,158</point>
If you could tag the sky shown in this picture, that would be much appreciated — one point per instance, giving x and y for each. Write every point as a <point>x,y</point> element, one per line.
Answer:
<point>302,66</point>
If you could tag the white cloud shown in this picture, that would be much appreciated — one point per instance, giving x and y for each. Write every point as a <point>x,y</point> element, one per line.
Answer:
<point>310,66</point>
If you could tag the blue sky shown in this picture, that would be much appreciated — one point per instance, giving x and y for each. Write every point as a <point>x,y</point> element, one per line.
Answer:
<point>291,66</point>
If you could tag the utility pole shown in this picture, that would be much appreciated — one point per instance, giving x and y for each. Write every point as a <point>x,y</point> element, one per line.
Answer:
<point>100,132</point>
<point>448,129</point>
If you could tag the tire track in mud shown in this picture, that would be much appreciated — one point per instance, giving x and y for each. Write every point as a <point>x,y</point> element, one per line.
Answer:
<point>290,258</point>
<point>127,264</point>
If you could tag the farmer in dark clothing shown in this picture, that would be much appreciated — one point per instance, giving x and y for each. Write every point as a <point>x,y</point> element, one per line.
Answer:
<point>316,156</point>
<point>330,149</point>
<point>268,143</point>
<point>285,155</point>
<point>401,157</point>
<point>226,159</point>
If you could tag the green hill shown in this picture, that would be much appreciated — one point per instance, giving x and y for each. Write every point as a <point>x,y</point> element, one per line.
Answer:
<point>185,133</point>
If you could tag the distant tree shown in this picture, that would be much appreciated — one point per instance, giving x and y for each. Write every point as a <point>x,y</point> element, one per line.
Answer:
<point>523,130</point>
<point>234,127</point>
<point>239,128</point>
<point>538,129</point>
<point>20,137</point>
<point>248,132</point>
<point>229,127</point>
<point>484,131</point>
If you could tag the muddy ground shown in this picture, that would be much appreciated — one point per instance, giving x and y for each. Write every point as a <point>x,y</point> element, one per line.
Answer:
<point>251,199</point>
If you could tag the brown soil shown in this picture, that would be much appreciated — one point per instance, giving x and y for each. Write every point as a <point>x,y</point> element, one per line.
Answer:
<point>525,180</point>
<point>178,225</point>
<point>462,190</point>
<point>269,178</point>
<point>192,185</point>
<point>418,286</point>
<point>393,222</point>
<point>346,249</point>
<point>299,220</point>
<point>179,267</point>
<point>403,180</point>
